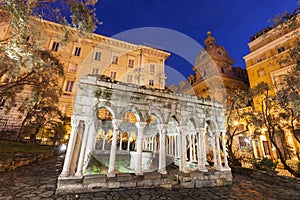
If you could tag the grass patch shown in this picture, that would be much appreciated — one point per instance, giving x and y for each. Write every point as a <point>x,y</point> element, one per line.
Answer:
<point>10,149</point>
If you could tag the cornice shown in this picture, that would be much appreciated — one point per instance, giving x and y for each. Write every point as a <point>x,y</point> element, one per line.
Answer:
<point>272,44</point>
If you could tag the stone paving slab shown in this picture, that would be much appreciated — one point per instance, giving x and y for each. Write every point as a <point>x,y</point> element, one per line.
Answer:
<point>38,181</point>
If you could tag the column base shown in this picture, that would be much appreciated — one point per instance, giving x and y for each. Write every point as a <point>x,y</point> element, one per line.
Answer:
<point>78,174</point>
<point>218,168</point>
<point>111,174</point>
<point>162,171</point>
<point>139,173</point>
<point>226,169</point>
<point>64,174</point>
<point>202,169</point>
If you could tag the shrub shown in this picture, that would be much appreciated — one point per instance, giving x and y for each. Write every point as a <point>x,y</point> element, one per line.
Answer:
<point>294,164</point>
<point>265,164</point>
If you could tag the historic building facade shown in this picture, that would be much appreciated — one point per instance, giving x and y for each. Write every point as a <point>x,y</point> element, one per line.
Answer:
<point>215,78</point>
<point>122,131</point>
<point>98,55</point>
<point>267,61</point>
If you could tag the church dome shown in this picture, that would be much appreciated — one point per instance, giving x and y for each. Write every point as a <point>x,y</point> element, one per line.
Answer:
<point>216,51</point>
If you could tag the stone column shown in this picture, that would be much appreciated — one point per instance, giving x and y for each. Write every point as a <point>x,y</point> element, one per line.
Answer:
<point>83,148</point>
<point>226,166</point>
<point>213,144</point>
<point>104,140</point>
<point>113,151</point>
<point>70,149</point>
<point>90,144</point>
<point>121,136</point>
<point>162,149</point>
<point>217,138</point>
<point>152,143</point>
<point>128,142</point>
<point>194,147</point>
<point>201,150</point>
<point>176,146</point>
<point>184,169</point>
<point>140,127</point>
<point>191,147</point>
<point>182,149</point>
<point>172,146</point>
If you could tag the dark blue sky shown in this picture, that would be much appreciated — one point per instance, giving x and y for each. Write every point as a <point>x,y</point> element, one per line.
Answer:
<point>231,22</point>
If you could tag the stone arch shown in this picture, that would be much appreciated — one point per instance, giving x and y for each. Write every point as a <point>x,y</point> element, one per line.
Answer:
<point>212,125</point>
<point>133,109</point>
<point>108,106</point>
<point>157,114</point>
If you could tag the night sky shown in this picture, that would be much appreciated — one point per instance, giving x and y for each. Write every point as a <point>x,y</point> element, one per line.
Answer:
<point>232,23</point>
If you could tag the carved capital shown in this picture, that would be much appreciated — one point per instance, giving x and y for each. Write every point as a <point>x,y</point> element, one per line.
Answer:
<point>201,130</point>
<point>117,122</point>
<point>88,122</point>
<point>140,124</point>
<point>74,122</point>
<point>182,129</point>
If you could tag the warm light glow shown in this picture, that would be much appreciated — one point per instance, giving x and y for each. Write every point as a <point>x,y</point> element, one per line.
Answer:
<point>235,123</point>
<point>66,137</point>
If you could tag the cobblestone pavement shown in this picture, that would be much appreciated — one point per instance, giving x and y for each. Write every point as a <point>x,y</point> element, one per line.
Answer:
<point>38,181</point>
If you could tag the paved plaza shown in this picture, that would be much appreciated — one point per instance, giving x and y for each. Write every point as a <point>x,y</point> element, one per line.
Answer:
<point>38,181</point>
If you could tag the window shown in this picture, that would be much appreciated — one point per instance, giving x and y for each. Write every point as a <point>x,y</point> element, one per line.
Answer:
<point>69,86</point>
<point>242,142</point>
<point>55,46</point>
<point>129,78</point>
<point>97,56</point>
<point>27,39</point>
<point>113,75</point>
<point>73,67</point>
<point>261,72</point>
<point>151,82</point>
<point>64,108</point>
<point>266,148</point>
<point>131,63</point>
<point>222,69</point>
<point>95,71</point>
<point>77,51</point>
<point>115,60</point>
<point>259,60</point>
<point>152,68</point>
<point>2,102</point>
<point>281,49</point>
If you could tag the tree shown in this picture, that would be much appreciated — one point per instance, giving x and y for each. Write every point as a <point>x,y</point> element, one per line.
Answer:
<point>271,116</point>
<point>41,105</point>
<point>25,64</point>
<point>22,53</point>
<point>288,94</point>
<point>238,99</point>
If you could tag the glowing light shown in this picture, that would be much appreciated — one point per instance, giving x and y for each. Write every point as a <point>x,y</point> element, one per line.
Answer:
<point>235,123</point>
<point>247,140</point>
<point>62,147</point>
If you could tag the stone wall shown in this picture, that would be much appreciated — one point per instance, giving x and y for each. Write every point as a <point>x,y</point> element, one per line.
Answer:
<point>196,179</point>
<point>94,183</point>
<point>21,160</point>
<point>270,178</point>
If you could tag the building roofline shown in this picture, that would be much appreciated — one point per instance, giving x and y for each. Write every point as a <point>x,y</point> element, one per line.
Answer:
<point>110,40</point>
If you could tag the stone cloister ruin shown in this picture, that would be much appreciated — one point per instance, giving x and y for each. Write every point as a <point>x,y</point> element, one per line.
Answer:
<point>126,136</point>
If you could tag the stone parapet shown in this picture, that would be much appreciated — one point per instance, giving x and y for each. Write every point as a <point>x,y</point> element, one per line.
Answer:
<point>19,160</point>
<point>95,183</point>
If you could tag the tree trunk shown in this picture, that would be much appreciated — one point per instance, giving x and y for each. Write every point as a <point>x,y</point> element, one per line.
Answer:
<point>231,157</point>
<point>21,131</point>
<point>33,135</point>
<point>281,157</point>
